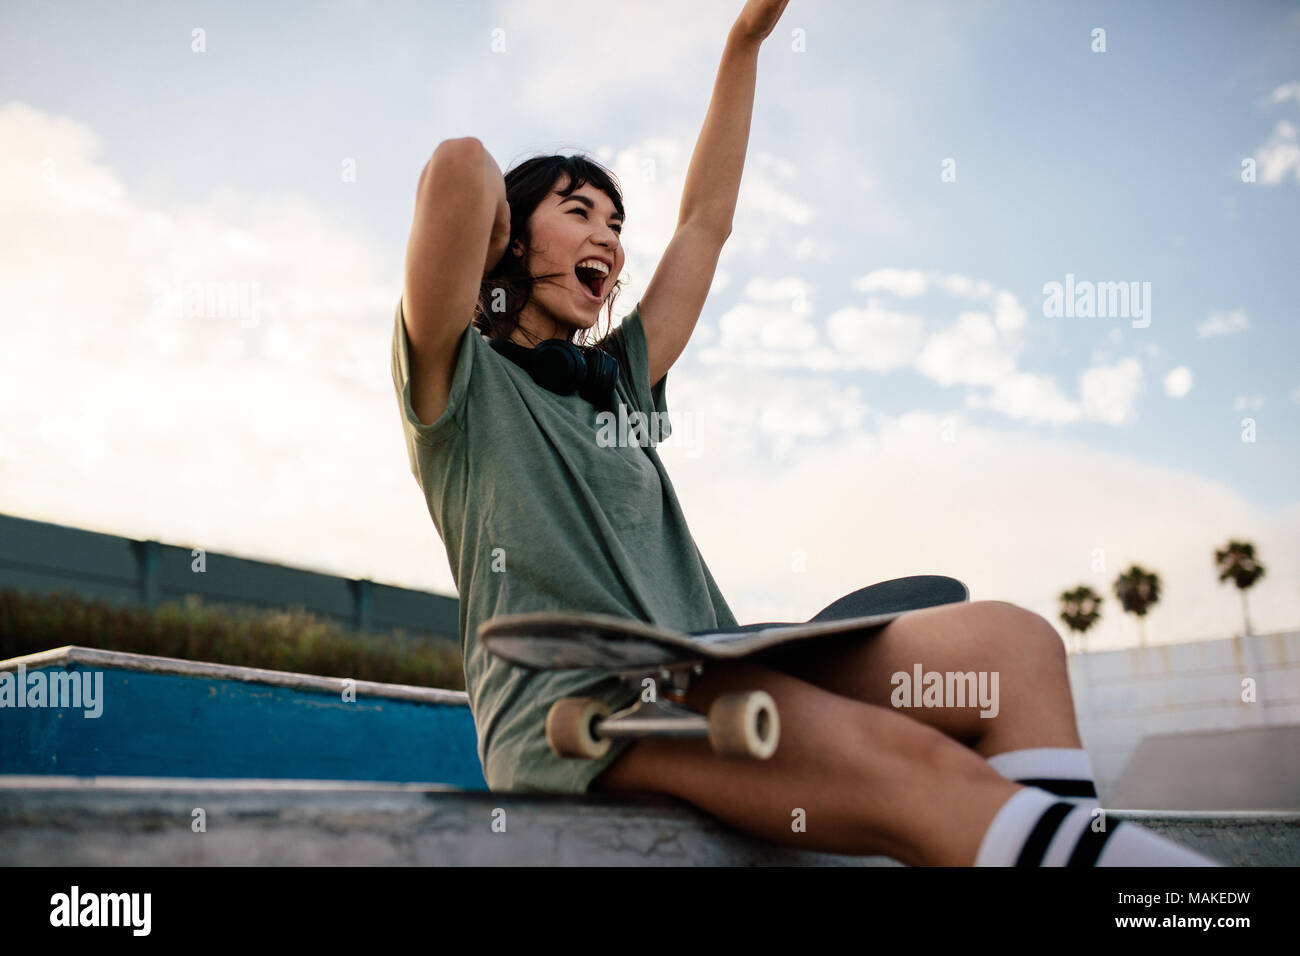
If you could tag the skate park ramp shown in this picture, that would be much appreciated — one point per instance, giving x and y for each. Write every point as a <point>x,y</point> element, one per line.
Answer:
<point>1252,768</point>
<point>147,716</point>
<point>203,764</point>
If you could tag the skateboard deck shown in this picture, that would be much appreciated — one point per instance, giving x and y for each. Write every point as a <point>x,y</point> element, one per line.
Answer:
<point>655,659</point>
<point>560,640</point>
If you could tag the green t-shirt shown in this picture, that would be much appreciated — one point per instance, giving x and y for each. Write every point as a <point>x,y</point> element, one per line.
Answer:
<point>541,508</point>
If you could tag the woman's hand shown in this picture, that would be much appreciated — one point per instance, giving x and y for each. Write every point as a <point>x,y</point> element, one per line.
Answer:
<point>758,19</point>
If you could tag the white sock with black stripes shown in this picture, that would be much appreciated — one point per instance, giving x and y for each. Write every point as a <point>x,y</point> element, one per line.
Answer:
<point>1063,771</point>
<point>1037,828</point>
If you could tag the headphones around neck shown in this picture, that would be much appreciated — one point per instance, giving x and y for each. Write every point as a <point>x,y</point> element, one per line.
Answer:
<point>564,368</point>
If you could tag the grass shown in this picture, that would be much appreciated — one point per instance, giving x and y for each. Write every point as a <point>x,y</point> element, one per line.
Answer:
<point>283,640</point>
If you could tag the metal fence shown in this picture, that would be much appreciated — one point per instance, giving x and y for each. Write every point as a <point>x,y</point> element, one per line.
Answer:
<point>40,558</point>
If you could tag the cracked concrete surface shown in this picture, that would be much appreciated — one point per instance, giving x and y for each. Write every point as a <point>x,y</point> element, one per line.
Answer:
<point>79,822</point>
<point>88,821</point>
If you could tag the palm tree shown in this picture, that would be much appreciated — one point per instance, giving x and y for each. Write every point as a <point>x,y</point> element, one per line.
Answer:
<point>1138,591</point>
<point>1080,610</point>
<point>1237,561</point>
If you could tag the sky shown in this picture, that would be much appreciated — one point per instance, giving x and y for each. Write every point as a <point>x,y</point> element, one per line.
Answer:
<point>880,383</point>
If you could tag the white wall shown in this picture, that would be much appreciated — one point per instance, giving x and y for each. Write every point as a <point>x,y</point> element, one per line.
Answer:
<point>1122,696</point>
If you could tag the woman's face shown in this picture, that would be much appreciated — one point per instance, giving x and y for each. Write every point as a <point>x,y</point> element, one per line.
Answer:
<point>567,230</point>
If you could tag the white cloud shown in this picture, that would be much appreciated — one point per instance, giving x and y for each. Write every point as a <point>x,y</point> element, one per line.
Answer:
<point>976,349</point>
<point>1033,398</point>
<point>1279,156</point>
<point>1223,323</point>
<point>909,283</point>
<point>760,193</point>
<point>967,353</point>
<point>966,287</point>
<point>1178,382</point>
<point>807,247</point>
<point>1287,91</point>
<point>789,289</point>
<point>780,167</point>
<point>906,283</point>
<point>818,358</point>
<point>875,338</point>
<point>748,325</point>
<point>753,414</point>
<point>1109,392</point>
<point>770,217</point>
<point>1009,314</point>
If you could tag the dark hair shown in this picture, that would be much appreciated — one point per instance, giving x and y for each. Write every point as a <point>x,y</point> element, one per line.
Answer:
<point>527,184</point>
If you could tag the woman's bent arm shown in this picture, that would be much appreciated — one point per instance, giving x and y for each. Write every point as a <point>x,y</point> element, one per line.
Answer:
<point>458,233</point>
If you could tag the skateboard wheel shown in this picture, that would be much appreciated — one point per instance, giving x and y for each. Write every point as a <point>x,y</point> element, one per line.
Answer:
<point>570,729</point>
<point>744,725</point>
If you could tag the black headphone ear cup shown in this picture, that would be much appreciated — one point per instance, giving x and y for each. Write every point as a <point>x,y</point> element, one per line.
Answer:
<point>602,376</point>
<point>558,366</point>
<point>563,368</point>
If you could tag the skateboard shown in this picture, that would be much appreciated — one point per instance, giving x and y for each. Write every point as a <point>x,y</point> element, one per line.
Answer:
<point>647,656</point>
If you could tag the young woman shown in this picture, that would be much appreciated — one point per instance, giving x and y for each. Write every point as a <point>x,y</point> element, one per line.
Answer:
<point>501,414</point>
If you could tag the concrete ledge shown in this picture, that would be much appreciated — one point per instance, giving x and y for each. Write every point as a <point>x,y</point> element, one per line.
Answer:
<point>141,821</point>
<point>91,657</point>
<point>1235,838</point>
<point>144,821</point>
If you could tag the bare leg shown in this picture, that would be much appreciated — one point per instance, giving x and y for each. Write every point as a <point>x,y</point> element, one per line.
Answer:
<point>1036,708</point>
<point>869,780</point>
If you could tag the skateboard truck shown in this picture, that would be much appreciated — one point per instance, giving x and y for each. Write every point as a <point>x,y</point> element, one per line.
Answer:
<point>737,725</point>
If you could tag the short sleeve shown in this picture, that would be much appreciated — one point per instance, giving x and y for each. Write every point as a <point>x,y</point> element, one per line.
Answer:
<point>627,344</point>
<point>453,417</point>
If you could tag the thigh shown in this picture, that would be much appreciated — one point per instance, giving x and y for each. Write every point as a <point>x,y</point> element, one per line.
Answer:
<point>864,779</point>
<point>1021,648</point>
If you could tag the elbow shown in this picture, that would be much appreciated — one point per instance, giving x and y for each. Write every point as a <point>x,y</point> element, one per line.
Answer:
<point>465,145</point>
<point>462,158</point>
<point>720,232</point>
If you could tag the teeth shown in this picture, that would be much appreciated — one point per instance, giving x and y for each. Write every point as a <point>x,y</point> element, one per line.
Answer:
<point>593,264</point>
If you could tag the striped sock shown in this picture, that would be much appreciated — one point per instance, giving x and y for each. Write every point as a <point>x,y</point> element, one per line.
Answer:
<point>1063,771</point>
<point>1037,828</point>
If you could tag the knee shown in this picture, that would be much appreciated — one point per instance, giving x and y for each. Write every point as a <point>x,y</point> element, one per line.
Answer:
<point>1016,633</point>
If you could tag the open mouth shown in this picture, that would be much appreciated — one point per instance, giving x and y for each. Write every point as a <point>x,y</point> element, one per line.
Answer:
<point>591,278</point>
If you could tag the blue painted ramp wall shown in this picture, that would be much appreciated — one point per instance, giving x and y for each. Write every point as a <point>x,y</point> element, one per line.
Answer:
<point>171,718</point>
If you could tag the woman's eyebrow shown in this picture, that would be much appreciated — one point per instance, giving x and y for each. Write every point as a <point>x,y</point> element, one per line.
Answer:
<point>589,204</point>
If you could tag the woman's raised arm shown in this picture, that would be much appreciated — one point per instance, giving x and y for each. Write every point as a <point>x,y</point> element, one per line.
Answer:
<point>675,296</point>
